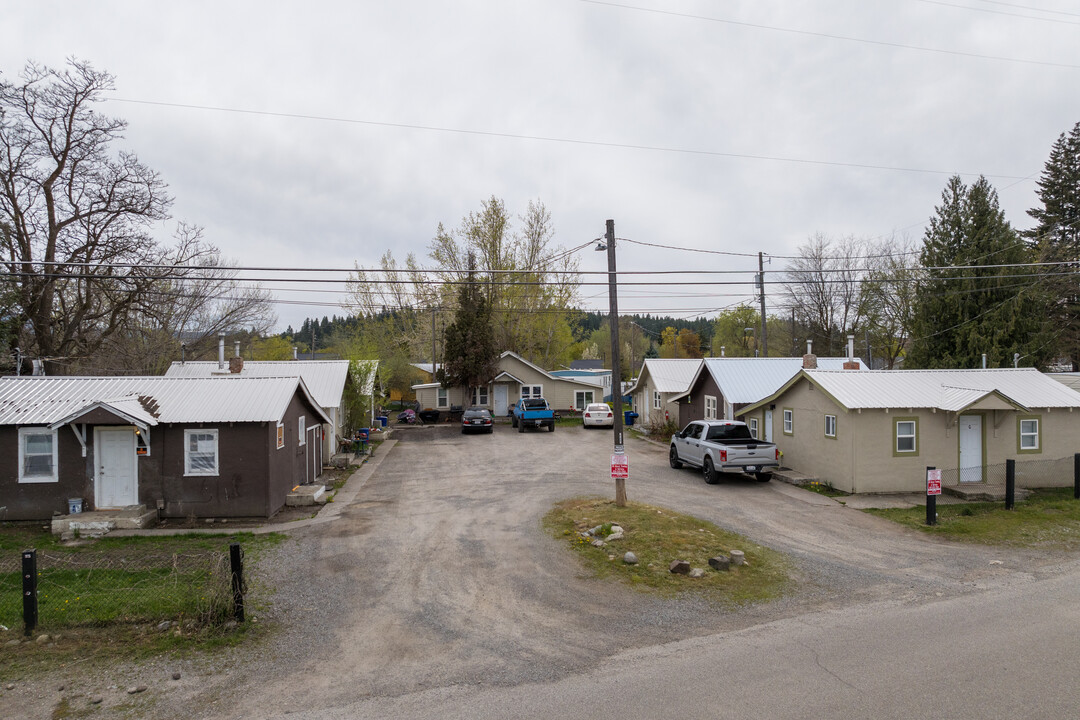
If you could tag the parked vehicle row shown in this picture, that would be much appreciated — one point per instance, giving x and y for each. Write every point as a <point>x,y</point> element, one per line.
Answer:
<point>719,446</point>
<point>597,415</point>
<point>532,413</point>
<point>477,419</point>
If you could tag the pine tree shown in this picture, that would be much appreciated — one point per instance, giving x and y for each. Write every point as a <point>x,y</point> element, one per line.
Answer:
<point>470,352</point>
<point>959,312</point>
<point>1056,239</point>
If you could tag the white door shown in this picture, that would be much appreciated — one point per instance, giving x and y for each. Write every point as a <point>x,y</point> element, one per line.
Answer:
<point>768,426</point>
<point>971,437</point>
<point>501,402</point>
<point>116,482</point>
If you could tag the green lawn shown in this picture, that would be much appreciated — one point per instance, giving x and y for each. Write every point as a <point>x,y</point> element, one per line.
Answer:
<point>1047,518</point>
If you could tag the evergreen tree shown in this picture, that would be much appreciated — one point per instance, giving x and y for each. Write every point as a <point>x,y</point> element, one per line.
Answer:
<point>1056,239</point>
<point>470,354</point>
<point>960,313</point>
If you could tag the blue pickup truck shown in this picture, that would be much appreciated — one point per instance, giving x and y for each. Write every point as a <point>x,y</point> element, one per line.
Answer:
<point>532,412</point>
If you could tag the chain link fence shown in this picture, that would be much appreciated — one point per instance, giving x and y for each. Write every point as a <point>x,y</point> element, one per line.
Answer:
<point>99,589</point>
<point>970,483</point>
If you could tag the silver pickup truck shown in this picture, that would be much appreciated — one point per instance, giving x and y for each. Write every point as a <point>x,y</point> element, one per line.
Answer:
<point>719,446</point>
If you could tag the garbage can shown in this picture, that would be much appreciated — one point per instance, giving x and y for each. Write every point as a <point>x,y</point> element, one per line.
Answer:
<point>383,420</point>
<point>629,416</point>
<point>74,506</point>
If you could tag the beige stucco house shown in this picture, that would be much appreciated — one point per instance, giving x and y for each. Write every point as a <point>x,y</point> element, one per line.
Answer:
<point>659,382</point>
<point>871,431</point>
<point>515,377</point>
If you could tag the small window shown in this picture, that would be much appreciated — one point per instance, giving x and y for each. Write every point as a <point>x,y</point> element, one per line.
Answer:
<point>280,435</point>
<point>1029,434</point>
<point>905,436</point>
<point>302,431</point>
<point>442,398</point>
<point>532,391</point>
<point>830,426</point>
<point>753,427</point>
<point>200,452</point>
<point>37,455</point>
<point>710,407</point>
<point>582,398</point>
<point>480,396</point>
<point>693,431</point>
<point>656,400</point>
<point>789,422</point>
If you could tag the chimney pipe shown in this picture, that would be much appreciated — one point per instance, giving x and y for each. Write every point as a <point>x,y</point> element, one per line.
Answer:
<point>221,351</point>
<point>236,348</point>
<point>722,349</point>
<point>984,361</point>
<point>850,348</point>
<point>294,353</point>
<point>809,347</point>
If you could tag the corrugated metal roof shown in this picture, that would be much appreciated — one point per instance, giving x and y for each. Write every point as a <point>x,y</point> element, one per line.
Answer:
<point>45,400</point>
<point>670,375</point>
<point>943,389</point>
<point>324,378</point>
<point>1068,379</point>
<point>749,379</point>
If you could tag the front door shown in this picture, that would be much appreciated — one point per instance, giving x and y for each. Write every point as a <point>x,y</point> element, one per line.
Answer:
<point>971,455</point>
<point>501,402</point>
<point>116,484</point>
<point>768,426</point>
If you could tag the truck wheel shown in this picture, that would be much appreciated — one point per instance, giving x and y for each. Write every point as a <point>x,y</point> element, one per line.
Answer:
<point>521,427</point>
<point>710,474</point>
<point>763,477</point>
<point>513,421</point>
<point>551,427</point>
<point>673,458</point>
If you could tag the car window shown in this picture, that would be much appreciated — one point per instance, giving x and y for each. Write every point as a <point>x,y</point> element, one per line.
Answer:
<point>693,430</point>
<point>729,432</point>
<point>535,404</point>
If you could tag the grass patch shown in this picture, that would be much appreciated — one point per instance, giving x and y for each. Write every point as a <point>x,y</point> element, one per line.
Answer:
<point>658,536</point>
<point>823,488</point>
<point>1047,518</point>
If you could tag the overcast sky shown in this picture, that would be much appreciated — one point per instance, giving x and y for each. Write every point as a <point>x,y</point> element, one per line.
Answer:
<point>724,126</point>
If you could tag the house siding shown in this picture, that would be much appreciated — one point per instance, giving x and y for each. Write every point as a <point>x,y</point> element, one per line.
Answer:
<point>693,406</point>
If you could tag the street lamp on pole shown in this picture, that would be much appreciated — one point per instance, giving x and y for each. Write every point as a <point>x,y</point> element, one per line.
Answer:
<point>750,331</point>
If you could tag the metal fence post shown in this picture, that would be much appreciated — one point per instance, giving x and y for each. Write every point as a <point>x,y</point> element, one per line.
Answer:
<point>236,560</point>
<point>1010,484</point>
<point>1076,476</point>
<point>29,587</point>
<point>931,501</point>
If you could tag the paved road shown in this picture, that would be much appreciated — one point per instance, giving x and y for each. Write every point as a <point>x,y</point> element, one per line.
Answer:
<point>435,593</point>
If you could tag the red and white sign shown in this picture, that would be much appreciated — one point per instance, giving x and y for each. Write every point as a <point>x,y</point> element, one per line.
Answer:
<point>620,467</point>
<point>933,482</point>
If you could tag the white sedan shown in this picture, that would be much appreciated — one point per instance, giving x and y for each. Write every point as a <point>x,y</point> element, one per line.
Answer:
<point>597,415</point>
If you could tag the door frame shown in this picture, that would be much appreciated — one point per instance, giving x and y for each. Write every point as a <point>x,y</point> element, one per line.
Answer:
<point>982,446</point>
<point>98,480</point>
<point>767,421</point>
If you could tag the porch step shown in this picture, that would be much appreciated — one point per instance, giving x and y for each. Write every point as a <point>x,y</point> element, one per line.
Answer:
<point>981,492</point>
<point>306,495</point>
<point>96,523</point>
<point>793,477</point>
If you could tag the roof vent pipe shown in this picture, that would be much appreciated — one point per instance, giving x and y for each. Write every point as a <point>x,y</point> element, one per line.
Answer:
<point>851,348</point>
<point>809,347</point>
<point>221,351</point>
<point>236,348</point>
<point>294,353</point>
<point>984,361</point>
<point>723,349</point>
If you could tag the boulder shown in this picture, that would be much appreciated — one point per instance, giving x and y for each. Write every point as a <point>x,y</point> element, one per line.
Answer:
<point>737,557</point>
<point>680,567</point>
<point>630,558</point>
<point>697,573</point>
<point>720,562</point>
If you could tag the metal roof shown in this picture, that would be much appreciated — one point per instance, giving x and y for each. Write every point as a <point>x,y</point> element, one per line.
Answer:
<point>46,400</point>
<point>749,379</point>
<point>1068,379</point>
<point>324,378</point>
<point>951,390</point>
<point>669,375</point>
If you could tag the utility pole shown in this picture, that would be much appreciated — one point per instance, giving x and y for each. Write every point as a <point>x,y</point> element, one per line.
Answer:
<point>761,279</point>
<point>433,378</point>
<point>616,374</point>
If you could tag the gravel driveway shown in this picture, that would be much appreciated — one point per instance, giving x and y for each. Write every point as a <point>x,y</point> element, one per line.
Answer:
<point>438,574</point>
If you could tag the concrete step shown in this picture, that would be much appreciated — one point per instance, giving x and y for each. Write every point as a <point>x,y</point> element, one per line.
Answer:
<point>302,495</point>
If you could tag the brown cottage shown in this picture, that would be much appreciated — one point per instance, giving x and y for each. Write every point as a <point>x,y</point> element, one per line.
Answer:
<point>204,447</point>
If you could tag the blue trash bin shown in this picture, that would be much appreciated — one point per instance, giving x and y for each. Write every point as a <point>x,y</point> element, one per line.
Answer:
<point>383,420</point>
<point>629,416</point>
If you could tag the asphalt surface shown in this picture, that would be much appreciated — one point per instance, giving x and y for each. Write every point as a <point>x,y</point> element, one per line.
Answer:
<point>429,589</point>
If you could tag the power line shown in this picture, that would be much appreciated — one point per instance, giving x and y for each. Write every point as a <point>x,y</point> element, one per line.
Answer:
<point>570,141</point>
<point>830,36</point>
<point>1001,12</point>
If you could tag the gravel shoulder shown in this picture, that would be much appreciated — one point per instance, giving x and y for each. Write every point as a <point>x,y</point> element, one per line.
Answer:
<point>432,571</point>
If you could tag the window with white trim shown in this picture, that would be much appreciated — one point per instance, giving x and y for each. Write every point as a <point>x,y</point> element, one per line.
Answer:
<point>37,455</point>
<point>200,452</point>
<point>582,398</point>
<point>753,427</point>
<point>480,396</point>
<point>280,435</point>
<point>302,431</point>
<point>532,391</point>
<point>830,426</point>
<point>710,407</point>
<point>1029,434</point>
<point>789,422</point>
<point>442,398</point>
<point>656,400</point>
<point>905,436</point>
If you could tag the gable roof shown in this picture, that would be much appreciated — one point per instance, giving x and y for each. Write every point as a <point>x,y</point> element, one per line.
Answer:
<point>669,375</point>
<point>38,400</point>
<point>502,373</point>
<point>949,390</point>
<point>749,379</point>
<point>324,378</point>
